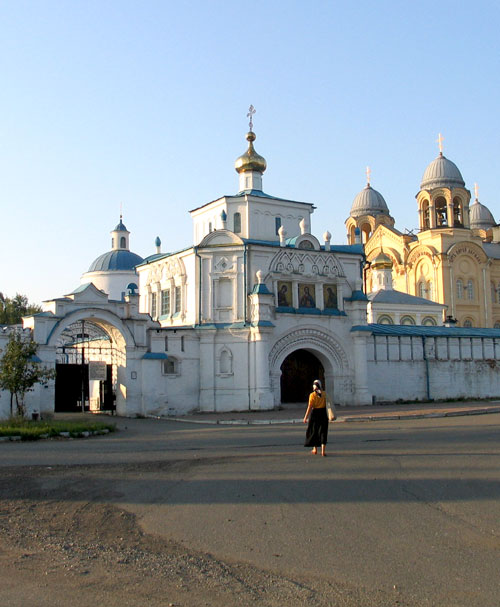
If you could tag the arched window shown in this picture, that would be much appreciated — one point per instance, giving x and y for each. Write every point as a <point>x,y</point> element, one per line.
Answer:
<point>457,213</point>
<point>385,319</point>
<point>470,289</point>
<point>352,235</point>
<point>407,320</point>
<point>277,225</point>
<point>366,232</point>
<point>497,325</point>
<point>422,291</point>
<point>429,321</point>
<point>425,216</point>
<point>460,289</point>
<point>441,216</point>
<point>237,223</point>
<point>123,242</point>
<point>468,323</point>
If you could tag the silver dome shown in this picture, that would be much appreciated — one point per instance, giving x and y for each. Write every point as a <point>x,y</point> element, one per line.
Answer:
<point>369,202</point>
<point>442,173</point>
<point>480,217</point>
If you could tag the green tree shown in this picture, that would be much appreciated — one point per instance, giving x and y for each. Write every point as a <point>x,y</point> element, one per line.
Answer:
<point>13,309</point>
<point>19,372</point>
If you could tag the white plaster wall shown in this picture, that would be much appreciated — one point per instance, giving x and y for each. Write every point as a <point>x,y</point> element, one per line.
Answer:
<point>457,368</point>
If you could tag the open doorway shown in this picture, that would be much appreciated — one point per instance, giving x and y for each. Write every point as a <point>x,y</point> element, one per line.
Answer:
<point>298,371</point>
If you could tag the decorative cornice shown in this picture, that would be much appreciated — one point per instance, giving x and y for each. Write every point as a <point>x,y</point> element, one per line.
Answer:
<point>309,263</point>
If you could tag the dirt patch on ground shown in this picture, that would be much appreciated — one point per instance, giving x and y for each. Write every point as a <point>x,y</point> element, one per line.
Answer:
<point>60,547</point>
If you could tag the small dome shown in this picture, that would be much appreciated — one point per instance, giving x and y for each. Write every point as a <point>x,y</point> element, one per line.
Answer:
<point>442,173</point>
<point>382,261</point>
<point>120,227</point>
<point>157,242</point>
<point>115,260</point>
<point>480,217</point>
<point>250,160</point>
<point>369,202</point>
<point>132,288</point>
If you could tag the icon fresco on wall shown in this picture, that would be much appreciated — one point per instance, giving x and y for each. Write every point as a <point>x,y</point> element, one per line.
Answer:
<point>284,294</point>
<point>307,296</point>
<point>330,297</point>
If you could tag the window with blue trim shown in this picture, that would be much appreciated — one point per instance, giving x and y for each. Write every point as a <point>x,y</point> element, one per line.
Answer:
<point>277,224</point>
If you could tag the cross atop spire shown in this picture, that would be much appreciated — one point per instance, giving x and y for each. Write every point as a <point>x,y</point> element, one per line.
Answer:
<point>440,140</point>
<point>251,112</point>
<point>368,174</point>
<point>476,191</point>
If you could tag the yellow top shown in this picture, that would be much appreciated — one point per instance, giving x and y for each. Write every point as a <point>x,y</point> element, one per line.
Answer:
<point>250,160</point>
<point>317,402</point>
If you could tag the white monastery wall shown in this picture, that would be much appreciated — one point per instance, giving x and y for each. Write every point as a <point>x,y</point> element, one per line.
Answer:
<point>455,368</point>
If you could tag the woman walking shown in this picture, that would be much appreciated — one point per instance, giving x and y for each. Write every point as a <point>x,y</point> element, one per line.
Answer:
<point>317,429</point>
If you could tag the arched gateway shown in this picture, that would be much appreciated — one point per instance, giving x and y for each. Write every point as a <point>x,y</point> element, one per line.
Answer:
<point>307,352</point>
<point>101,352</point>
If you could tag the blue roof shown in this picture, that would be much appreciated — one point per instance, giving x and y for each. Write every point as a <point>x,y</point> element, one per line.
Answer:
<point>115,260</point>
<point>120,227</point>
<point>432,331</point>
<point>155,356</point>
<point>391,296</point>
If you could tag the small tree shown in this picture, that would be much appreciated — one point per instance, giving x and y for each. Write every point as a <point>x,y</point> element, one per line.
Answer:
<point>12,309</point>
<point>19,372</point>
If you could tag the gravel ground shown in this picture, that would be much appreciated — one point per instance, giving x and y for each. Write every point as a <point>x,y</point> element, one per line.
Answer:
<point>60,545</point>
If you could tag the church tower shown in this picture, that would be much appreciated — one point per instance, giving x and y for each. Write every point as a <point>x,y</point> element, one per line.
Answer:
<point>443,200</point>
<point>368,211</point>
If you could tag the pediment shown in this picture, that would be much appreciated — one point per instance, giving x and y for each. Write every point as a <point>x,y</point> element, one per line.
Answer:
<point>220,237</point>
<point>88,293</point>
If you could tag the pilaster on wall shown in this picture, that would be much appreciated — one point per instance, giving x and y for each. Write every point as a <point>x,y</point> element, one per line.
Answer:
<point>362,395</point>
<point>261,395</point>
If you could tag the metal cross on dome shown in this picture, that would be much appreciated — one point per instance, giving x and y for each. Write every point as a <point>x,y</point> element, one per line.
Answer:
<point>476,191</point>
<point>251,112</point>
<point>440,140</point>
<point>368,174</point>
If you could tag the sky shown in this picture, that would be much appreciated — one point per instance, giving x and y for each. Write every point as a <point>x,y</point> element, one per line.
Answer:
<point>141,106</point>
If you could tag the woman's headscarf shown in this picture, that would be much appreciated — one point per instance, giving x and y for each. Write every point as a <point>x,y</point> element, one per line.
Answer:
<point>317,382</point>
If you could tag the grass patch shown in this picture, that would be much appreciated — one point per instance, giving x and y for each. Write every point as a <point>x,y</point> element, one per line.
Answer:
<point>33,430</point>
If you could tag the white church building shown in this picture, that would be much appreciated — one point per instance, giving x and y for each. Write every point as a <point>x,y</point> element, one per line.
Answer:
<point>245,318</point>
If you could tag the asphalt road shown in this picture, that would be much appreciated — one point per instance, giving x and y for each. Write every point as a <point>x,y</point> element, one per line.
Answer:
<point>409,507</point>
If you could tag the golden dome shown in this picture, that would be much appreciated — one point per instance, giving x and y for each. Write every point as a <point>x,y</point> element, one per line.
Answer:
<point>250,160</point>
<point>382,261</point>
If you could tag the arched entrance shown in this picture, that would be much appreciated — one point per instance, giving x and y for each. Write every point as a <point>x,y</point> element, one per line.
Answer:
<point>298,371</point>
<point>327,358</point>
<point>87,361</point>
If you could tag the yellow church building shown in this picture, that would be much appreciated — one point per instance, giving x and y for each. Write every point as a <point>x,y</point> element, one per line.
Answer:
<point>454,259</point>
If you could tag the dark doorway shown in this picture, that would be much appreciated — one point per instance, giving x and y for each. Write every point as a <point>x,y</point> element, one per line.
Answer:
<point>298,372</point>
<point>72,381</point>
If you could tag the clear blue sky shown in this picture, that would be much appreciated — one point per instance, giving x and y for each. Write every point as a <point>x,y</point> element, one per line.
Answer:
<point>144,104</point>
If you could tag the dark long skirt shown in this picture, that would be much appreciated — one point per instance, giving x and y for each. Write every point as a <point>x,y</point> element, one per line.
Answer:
<point>317,429</point>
